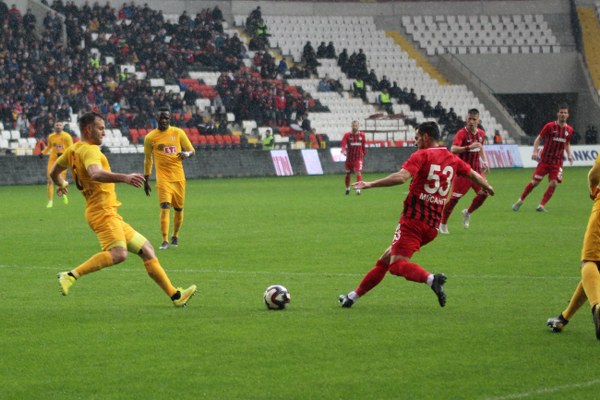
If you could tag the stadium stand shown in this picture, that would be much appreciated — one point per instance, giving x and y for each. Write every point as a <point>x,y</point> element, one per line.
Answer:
<point>221,83</point>
<point>481,34</point>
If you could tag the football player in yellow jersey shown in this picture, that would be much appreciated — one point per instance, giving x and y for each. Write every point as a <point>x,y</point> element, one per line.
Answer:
<point>168,146</point>
<point>58,142</point>
<point>94,179</point>
<point>589,286</point>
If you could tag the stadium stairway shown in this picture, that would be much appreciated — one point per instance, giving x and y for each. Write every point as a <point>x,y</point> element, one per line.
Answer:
<point>591,42</point>
<point>415,54</point>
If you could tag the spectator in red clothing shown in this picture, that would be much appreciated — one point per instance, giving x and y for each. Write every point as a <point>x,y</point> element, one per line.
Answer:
<point>431,170</point>
<point>280,104</point>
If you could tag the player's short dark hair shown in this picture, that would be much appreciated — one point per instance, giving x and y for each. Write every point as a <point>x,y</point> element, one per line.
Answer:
<point>473,111</point>
<point>430,128</point>
<point>164,109</point>
<point>562,106</point>
<point>87,119</point>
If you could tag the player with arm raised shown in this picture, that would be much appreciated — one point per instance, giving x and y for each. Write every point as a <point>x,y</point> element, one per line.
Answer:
<point>353,147</point>
<point>168,146</point>
<point>468,145</point>
<point>432,169</point>
<point>557,139</point>
<point>94,179</point>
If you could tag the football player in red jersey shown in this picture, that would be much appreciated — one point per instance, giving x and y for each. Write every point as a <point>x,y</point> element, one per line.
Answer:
<point>432,169</point>
<point>353,147</point>
<point>468,146</point>
<point>557,139</point>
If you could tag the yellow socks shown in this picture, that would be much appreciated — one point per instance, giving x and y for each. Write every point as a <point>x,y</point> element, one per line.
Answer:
<point>164,223</point>
<point>158,274</point>
<point>50,189</point>
<point>95,263</point>
<point>177,222</point>
<point>577,300</point>
<point>590,277</point>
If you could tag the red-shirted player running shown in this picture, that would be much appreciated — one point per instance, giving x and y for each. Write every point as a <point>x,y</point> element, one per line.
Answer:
<point>432,169</point>
<point>557,138</point>
<point>353,147</point>
<point>468,145</point>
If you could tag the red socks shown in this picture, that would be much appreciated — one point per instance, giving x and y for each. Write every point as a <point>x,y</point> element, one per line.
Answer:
<point>372,278</point>
<point>547,195</point>
<point>410,271</point>
<point>477,202</point>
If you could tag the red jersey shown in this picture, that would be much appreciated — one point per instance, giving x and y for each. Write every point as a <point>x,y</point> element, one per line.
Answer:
<point>432,170</point>
<point>353,144</point>
<point>555,140</point>
<point>463,138</point>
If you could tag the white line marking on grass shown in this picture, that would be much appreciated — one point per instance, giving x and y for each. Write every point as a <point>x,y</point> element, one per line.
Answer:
<point>296,273</point>
<point>549,390</point>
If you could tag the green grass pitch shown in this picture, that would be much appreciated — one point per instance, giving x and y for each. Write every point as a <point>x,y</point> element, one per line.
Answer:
<point>117,336</point>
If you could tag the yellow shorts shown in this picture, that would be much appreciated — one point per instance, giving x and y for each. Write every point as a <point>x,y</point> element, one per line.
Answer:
<point>50,165</point>
<point>112,231</point>
<point>591,240</point>
<point>171,192</point>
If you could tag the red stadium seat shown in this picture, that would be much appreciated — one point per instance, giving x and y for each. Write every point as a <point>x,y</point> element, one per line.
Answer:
<point>135,135</point>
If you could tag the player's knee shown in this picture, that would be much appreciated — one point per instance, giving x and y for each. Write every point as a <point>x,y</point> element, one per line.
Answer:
<point>166,206</point>
<point>178,209</point>
<point>118,254</point>
<point>147,251</point>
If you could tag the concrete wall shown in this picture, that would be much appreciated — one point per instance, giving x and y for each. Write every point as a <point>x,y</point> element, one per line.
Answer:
<point>524,73</point>
<point>28,170</point>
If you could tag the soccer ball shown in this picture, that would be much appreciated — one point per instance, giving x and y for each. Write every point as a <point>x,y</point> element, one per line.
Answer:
<point>276,297</point>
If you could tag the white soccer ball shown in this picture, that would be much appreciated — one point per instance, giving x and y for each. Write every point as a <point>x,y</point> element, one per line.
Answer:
<point>276,297</point>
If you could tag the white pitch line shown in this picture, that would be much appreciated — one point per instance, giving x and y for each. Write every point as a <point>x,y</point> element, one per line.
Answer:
<point>294,273</point>
<point>549,390</point>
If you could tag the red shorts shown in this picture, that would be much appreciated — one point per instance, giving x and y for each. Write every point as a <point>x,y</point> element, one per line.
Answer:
<point>410,235</point>
<point>461,186</point>
<point>354,166</point>
<point>554,172</point>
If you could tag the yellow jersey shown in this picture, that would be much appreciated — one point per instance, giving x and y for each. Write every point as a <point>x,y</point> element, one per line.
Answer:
<point>99,197</point>
<point>57,144</point>
<point>164,146</point>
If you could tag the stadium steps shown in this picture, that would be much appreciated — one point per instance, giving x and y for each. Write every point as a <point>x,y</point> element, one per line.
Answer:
<point>591,42</point>
<point>417,56</point>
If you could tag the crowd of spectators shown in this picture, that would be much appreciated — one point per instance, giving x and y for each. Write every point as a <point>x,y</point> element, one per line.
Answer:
<point>46,76</point>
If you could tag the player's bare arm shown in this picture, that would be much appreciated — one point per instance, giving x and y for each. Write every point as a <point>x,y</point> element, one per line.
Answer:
<point>484,162</point>
<point>100,175</point>
<point>481,181</point>
<point>594,181</point>
<point>61,184</point>
<point>569,154</point>
<point>397,178</point>
<point>536,144</point>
